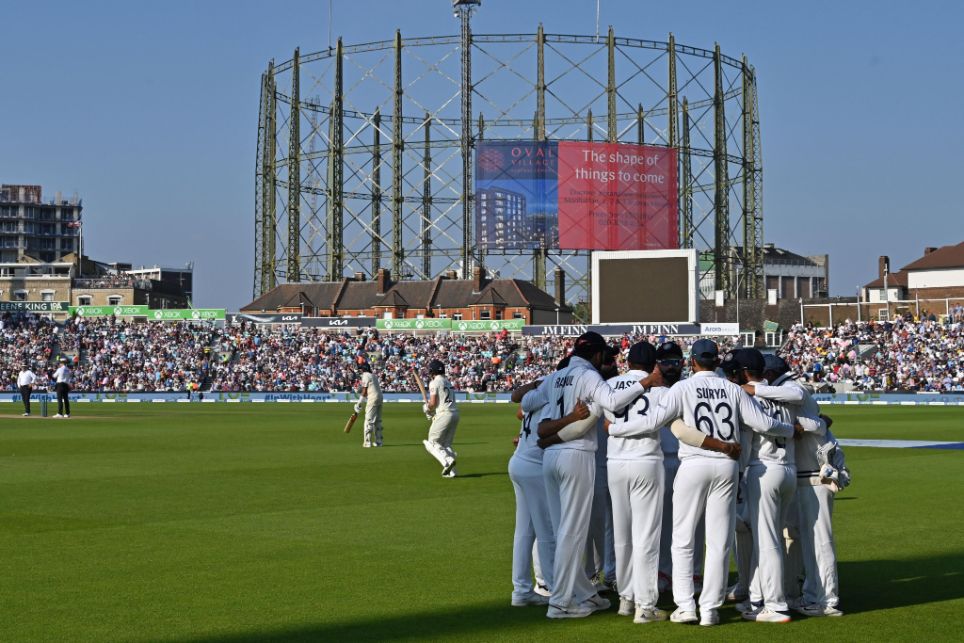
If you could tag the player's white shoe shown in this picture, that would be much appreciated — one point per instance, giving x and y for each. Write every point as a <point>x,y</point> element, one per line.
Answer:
<point>575,611</point>
<point>626,607</point>
<point>683,616</point>
<point>451,474</point>
<point>767,615</point>
<point>596,603</point>
<point>649,615</point>
<point>542,589</point>
<point>709,618</point>
<point>531,598</point>
<point>818,610</point>
<point>58,415</point>
<point>26,415</point>
<point>367,445</point>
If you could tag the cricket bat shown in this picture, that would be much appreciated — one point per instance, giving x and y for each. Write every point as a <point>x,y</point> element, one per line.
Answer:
<point>421,387</point>
<point>351,422</point>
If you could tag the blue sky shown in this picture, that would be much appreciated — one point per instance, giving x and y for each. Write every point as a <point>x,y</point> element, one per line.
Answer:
<point>148,111</point>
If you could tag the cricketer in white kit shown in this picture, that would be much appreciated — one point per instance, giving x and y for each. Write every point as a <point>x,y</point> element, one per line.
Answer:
<point>770,483</point>
<point>636,487</point>
<point>371,395</point>
<point>569,469</point>
<point>444,413</point>
<point>669,358</point>
<point>706,482</point>
<point>532,520</point>
<point>812,518</point>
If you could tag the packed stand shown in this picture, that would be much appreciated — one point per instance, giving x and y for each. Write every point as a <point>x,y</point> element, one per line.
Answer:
<point>111,354</point>
<point>26,340</point>
<point>314,360</point>
<point>900,355</point>
<point>118,355</point>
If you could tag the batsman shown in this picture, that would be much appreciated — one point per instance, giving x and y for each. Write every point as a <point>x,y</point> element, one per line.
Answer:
<point>371,395</point>
<point>441,409</point>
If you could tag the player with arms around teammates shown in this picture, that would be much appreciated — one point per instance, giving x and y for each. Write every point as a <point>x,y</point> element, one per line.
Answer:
<point>532,520</point>
<point>821,472</point>
<point>706,483</point>
<point>569,468</point>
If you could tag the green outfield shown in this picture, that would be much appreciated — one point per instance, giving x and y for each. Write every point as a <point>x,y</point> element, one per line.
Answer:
<point>232,522</point>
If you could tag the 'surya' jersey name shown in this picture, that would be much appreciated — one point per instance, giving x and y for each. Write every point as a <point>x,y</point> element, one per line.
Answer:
<point>710,394</point>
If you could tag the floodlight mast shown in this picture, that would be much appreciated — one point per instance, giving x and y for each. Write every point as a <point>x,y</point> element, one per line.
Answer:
<point>462,9</point>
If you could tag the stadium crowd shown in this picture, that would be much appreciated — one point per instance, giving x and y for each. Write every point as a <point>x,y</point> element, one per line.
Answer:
<point>900,355</point>
<point>113,354</point>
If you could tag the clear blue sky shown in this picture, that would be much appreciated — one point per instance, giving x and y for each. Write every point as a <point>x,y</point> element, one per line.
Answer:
<point>148,111</point>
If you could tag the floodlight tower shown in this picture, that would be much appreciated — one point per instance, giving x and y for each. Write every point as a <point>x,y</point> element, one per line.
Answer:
<point>463,9</point>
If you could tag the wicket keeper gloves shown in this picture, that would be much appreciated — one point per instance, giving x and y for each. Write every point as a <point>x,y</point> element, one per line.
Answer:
<point>357,407</point>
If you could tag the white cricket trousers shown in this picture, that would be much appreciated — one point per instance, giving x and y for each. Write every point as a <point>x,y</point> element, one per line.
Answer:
<point>815,518</point>
<point>670,467</point>
<point>703,487</point>
<point>442,430</point>
<point>769,491</point>
<point>569,475</point>
<point>532,522</point>
<point>373,424</point>
<point>636,488</point>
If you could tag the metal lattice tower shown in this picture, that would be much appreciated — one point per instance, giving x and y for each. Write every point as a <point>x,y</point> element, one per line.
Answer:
<point>376,168</point>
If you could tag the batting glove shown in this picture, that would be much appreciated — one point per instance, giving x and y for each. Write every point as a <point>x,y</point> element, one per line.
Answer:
<point>357,407</point>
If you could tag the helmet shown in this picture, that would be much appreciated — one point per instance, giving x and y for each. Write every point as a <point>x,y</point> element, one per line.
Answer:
<point>435,367</point>
<point>739,359</point>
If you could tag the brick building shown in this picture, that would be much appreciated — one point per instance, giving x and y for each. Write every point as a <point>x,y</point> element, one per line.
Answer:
<point>938,274</point>
<point>446,296</point>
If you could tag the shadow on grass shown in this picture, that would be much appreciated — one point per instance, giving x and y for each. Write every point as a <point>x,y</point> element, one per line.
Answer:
<point>871,585</point>
<point>483,475</point>
<point>474,620</point>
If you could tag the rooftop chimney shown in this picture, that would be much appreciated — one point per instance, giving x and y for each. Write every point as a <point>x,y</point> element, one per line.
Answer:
<point>883,266</point>
<point>478,278</point>
<point>359,276</point>
<point>927,251</point>
<point>560,279</point>
<point>384,278</point>
<point>451,274</point>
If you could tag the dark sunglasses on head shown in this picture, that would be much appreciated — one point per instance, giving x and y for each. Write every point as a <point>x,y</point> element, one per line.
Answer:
<point>670,362</point>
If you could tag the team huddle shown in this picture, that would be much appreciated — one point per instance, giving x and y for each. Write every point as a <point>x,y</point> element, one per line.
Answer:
<point>642,482</point>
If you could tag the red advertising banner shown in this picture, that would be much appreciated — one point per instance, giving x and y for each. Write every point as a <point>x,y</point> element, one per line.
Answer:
<point>614,196</point>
